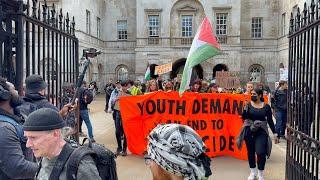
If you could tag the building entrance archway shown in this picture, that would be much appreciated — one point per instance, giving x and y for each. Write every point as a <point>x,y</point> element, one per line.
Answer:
<point>219,67</point>
<point>178,66</point>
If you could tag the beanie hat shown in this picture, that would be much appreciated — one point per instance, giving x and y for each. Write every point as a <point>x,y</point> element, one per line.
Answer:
<point>44,119</point>
<point>35,83</point>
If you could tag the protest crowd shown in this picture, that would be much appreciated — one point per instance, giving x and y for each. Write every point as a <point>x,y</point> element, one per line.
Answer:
<point>41,141</point>
<point>32,129</point>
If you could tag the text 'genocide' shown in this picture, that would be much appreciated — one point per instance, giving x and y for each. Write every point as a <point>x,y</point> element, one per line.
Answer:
<point>216,143</point>
<point>178,107</point>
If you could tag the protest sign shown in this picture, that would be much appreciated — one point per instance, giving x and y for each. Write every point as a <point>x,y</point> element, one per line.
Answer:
<point>163,69</point>
<point>227,79</point>
<point>283,74</point>
<point>215,117</point>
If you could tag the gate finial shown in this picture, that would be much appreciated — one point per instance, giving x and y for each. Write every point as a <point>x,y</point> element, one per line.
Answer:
<point>317,9</point>
<point>28,8</point>
<point>305,15</point>
<point>291,24</point>
<point>53,15</point>
<point>60,19</point>
<point>312,6</point>
<point>44,11</point>
<point>34,8</point>
<point>64,23</point>
<point>73,26</point>
<point>39,12</point>
<point>67,23</point>
<point>298,19</point>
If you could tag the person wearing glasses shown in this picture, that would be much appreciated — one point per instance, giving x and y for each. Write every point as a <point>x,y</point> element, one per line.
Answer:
<point>176,152</point>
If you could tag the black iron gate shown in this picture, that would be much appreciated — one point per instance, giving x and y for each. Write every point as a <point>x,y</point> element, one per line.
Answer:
<point>303,148</point>
<point>35,39</point>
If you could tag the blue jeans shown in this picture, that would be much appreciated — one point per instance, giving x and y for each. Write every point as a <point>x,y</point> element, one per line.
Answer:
<point>85,117</point>
<point>281,122</point>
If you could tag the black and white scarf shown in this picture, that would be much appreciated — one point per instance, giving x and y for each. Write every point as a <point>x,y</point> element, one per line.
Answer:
<point>179,150</point>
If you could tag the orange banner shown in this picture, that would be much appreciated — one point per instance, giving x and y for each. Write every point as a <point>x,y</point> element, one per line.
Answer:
<point>215,117</point>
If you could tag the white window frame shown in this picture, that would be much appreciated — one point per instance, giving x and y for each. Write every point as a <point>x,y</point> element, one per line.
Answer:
<point>153,25</point>
<point>221,24</point>
<point>256,27</point>
<point>88,22</point>
<point>185,31</point>
<point>122,73</point>
<point>122,29</point>
<point>256,73</point>
<point>98,27</point>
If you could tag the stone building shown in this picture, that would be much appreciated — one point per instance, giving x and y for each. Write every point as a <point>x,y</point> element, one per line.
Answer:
<point>134,33</point>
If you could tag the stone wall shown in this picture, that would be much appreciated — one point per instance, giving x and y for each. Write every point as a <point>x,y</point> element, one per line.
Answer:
<point>239,53</point>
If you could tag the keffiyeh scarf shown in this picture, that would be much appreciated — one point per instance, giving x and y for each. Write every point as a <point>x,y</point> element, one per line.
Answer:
<point>179,150</point>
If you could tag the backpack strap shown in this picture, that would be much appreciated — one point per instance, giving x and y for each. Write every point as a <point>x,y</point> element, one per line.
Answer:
<point>61,161</point>
<point>75,158</point>
<point>16,125</point>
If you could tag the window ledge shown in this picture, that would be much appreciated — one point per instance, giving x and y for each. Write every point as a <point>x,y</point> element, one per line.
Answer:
<point>153,10</point>
<point>221,7</point>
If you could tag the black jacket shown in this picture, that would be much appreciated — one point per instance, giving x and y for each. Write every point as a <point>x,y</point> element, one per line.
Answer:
<point>36,97</point>
<point>13,162</point>
<point>279,100</point>
<point>109,88</point>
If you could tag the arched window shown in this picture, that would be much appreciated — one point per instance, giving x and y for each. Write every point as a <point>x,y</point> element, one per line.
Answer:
<point>122,73</point>
<point>256,72</point>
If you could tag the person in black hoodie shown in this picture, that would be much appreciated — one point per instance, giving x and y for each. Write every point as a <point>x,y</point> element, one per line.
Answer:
<point>15,158</point>
<point>279,105</point>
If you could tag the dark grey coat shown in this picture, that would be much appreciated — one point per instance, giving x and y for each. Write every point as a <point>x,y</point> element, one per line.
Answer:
<point>13,163</point>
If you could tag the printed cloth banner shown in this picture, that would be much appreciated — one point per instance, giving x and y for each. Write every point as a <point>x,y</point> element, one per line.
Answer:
<point>215,117</point>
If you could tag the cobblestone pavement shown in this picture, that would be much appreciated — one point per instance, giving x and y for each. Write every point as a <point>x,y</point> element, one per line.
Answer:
<point>132,167</point>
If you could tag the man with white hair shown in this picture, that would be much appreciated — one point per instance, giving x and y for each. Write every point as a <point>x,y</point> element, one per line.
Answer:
<point>43,128</point>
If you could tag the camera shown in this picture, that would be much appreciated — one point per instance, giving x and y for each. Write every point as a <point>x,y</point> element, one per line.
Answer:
<point>90,52</point>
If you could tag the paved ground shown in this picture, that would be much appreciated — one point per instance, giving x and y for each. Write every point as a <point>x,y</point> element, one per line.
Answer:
<point>132,167</point>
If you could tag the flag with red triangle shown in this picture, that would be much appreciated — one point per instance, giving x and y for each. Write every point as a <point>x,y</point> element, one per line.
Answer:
<point>204,46</point>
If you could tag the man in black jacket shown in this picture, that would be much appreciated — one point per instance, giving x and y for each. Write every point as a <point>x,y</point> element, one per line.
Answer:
<point>279,104</point>
<point>35,94</point>
<point>15,158</point>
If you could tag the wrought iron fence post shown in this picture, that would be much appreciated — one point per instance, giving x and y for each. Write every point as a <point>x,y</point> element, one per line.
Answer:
<point>19,50</point>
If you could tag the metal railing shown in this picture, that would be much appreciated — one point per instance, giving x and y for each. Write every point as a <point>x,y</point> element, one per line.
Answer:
<point>222,39</point>
<point>181,41</point>
<point>303,147</point>
<point>38,42</point>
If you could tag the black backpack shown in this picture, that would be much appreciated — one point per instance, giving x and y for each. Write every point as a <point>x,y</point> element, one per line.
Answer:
<point>73,154</point>
<point>87,96</point>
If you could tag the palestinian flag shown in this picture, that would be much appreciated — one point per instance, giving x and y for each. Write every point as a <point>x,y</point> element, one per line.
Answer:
<point>147,76</point>
<point>204,46</point>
